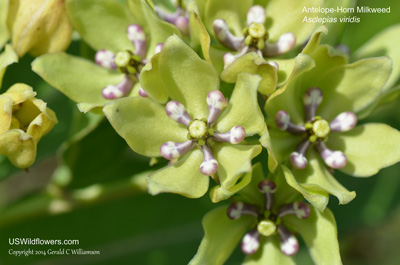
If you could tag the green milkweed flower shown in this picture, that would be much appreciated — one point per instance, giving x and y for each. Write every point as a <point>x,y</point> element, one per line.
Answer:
<point>24,120</point>
<point>312,121</point>
<point>123,42</point>
<point>199,130</point>
<point>265,216</point>
<point>37,26</point>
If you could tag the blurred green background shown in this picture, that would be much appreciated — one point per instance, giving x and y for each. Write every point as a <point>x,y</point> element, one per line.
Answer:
<point>130,227</point>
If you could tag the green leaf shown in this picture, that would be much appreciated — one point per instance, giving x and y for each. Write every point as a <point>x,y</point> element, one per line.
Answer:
<point>186,77</point>
<point>286,16</point>
<point>159,29</point>
<point>221,235</point>
<point>384,43</point>
<point>151,81</point>
<point>143,124</point>
<point>4,34</point>
<point>218,193</point>
<point>243,107</point>
<point>234,13</point>
<point>269,253</point>
<point>101,23</point>
<point>252,63</point>
<point>233,162</point>
<point>7,57</point>
<point>79,79</point>
<point>182,177</point>
<point>368,148</point>
<point>320,235</point>
<point>352,87</point>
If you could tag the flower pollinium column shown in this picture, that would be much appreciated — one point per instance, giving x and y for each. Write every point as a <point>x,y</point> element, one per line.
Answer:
<point>201,132</point>
<point>269,220</point>
<point>127,62</point>
<point>255,37</point>
<point>316,131</point>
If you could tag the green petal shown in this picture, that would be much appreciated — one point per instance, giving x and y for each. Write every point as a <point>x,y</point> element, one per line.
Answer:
<point>315,39</point>
<point>7,57</point>
<point>4,34</point>
<point>159,29</point>
<point>234,13</point>
<point>384,43</point>
<point>326,58</point>
<point>368,148</point>
<point>388,96</point>
<point>79,79</point>
<point>135,7</point>
<point>289,93</point>
<point>6,104</point>
<point>151,81</point>
<point>186,77</point>
<point>218,193</point>
<point>101,23</point>
<point>19,147</point>
<point>286,16</point>
<point>251,193</point>
<point>315,182</point>
<point>221,236</point>
<point>285,69</point>
<point>233,162</point>
<point>143,124</point>
<point>353,87</point>
<point>243,107</point>
<point>320,235</point>
<point>269,253</point>
<point>252,63</point>
<point>198,32</point>
<point>217,58</point>
<point>336,29</point>
<point>183,177</point>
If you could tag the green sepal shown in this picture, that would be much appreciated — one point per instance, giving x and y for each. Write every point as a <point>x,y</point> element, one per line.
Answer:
<point>4,34</point>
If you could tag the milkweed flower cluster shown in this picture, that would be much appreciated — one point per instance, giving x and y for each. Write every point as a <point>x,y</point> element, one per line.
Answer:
<point>203,88</point>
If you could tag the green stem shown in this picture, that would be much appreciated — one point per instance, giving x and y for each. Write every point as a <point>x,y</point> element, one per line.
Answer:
<point>56,200</point>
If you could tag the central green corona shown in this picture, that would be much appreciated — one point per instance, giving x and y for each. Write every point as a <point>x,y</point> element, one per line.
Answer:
<point>255,35</point>
<point>318,129</point>
<point>198,131</point>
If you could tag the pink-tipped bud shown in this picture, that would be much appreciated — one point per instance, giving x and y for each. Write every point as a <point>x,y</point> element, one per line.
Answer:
<point>138,38</point>
<point>334,159</point>
<point>234,136</point>
<point>143,93</point>
<point>251,242</point>
<point>216,103</point>
<point>105,58</point>
<point>284,44</point>
<point>177,112</point>
<point>289,243</point>
<point>171,150</point>
<point>256,14</point>
<point>209,166</point>
<point>344,122</point>
<point>298,160</point>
